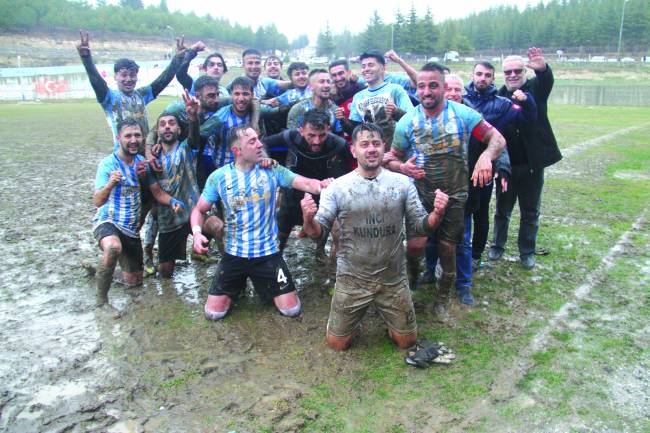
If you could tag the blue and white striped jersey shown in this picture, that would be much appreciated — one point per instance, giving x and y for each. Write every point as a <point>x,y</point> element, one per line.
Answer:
<point>293,95</point>
<point>249,207</point>
<point>217,153</point>
<point>119,106</point>
<point>122,209</point>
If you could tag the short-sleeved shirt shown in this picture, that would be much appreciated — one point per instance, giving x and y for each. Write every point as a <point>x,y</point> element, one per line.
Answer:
<point>440,146</point>
<point>297,113</point>
<point>178,179</point>
<point>369,105</point>
<point>371,215</point>
<point>122,209</point>
<point>293,95</point>
<point>217,153</point>
<point>249,207</point>
<point>119,106</point>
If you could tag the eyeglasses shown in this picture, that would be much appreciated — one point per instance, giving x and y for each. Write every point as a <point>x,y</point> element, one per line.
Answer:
<point>513,71</point>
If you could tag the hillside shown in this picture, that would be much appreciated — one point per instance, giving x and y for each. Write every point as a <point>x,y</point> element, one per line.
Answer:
<point>58,48</point>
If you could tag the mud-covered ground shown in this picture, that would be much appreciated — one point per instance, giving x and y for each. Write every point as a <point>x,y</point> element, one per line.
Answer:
<point>161,367</point>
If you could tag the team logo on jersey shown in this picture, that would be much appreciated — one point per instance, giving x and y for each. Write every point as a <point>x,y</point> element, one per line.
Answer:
<point>450,127</point>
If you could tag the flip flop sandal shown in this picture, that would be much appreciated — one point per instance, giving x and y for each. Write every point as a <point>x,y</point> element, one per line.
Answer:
<point>426,352</point>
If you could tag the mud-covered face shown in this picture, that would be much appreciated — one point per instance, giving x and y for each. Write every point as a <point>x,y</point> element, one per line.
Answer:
<point>130,139</point>
<point>454,90</point>
<point>314,137</point>
<point>241,100</point>
<point>299,78</point>
<point>248,148</point>
<point>514,74</point>
<point>368,149</point>
<point>209,98</point>
<point>215,67</point>
<point>430,89</point>
<point>372,71</point>
<point>273,68</point>
<point>168,129</point>
<point>126,80</point>
<point>321,85</point>
<point>252,66</point>
<point>339,76</point>
<point>482,78</point>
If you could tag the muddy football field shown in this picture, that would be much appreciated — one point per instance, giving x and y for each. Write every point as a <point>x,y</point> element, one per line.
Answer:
<point>561,348</point>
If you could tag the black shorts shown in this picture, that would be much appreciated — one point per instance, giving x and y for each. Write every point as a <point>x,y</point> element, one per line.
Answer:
<point>173,245</point>
<point>131,258</point>
<point>269,274</point>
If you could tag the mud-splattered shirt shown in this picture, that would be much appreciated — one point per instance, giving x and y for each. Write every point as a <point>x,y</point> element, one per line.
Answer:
<point>369,106</point>
<point>119,106</point>
<point>178,179</point>
<point>249,207</point>
<point>440,147</point>
<point>297,113</point>
<point>371,214</point>
<point>122,209</point>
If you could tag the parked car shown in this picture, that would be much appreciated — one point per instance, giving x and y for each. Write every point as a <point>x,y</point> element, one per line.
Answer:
<point>433,59</point>
<point>597,59</point>
<point>628,60</point>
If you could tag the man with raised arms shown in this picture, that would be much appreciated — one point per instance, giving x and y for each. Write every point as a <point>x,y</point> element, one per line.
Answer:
<point>381,103</point>
<point>126,101</point>
<point>372,206</point>
<point>430,145</point>
<point>178,179</point>
<point>213,66</point>
<point>248,193</point>
<point>532,147</point>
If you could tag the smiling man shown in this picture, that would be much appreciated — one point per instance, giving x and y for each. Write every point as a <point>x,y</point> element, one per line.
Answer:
<point>128,101</point>
<point>117,195</point>
<point>381,103</point>
<point>320,86</point>
<point>372,206</point>
<point>213,66</point>
<point>314,152</point>
<point>532,147</point>
<point>299,76</point>
<point>248,193</point>
<point>430,145</point>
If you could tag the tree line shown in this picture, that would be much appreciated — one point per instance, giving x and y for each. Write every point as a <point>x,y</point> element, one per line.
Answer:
<point>583,25</point>
<point>557,24</point>
<point>130,16</point>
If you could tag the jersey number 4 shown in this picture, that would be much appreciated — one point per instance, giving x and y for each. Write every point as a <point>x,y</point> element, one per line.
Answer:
<point>281,277</point>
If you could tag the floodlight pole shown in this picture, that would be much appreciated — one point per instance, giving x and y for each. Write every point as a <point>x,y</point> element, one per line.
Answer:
<point>620,32</point>
<point>171,29</point>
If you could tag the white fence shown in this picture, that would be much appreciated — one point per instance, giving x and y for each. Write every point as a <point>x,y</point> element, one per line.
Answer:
<point>71,82</point>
